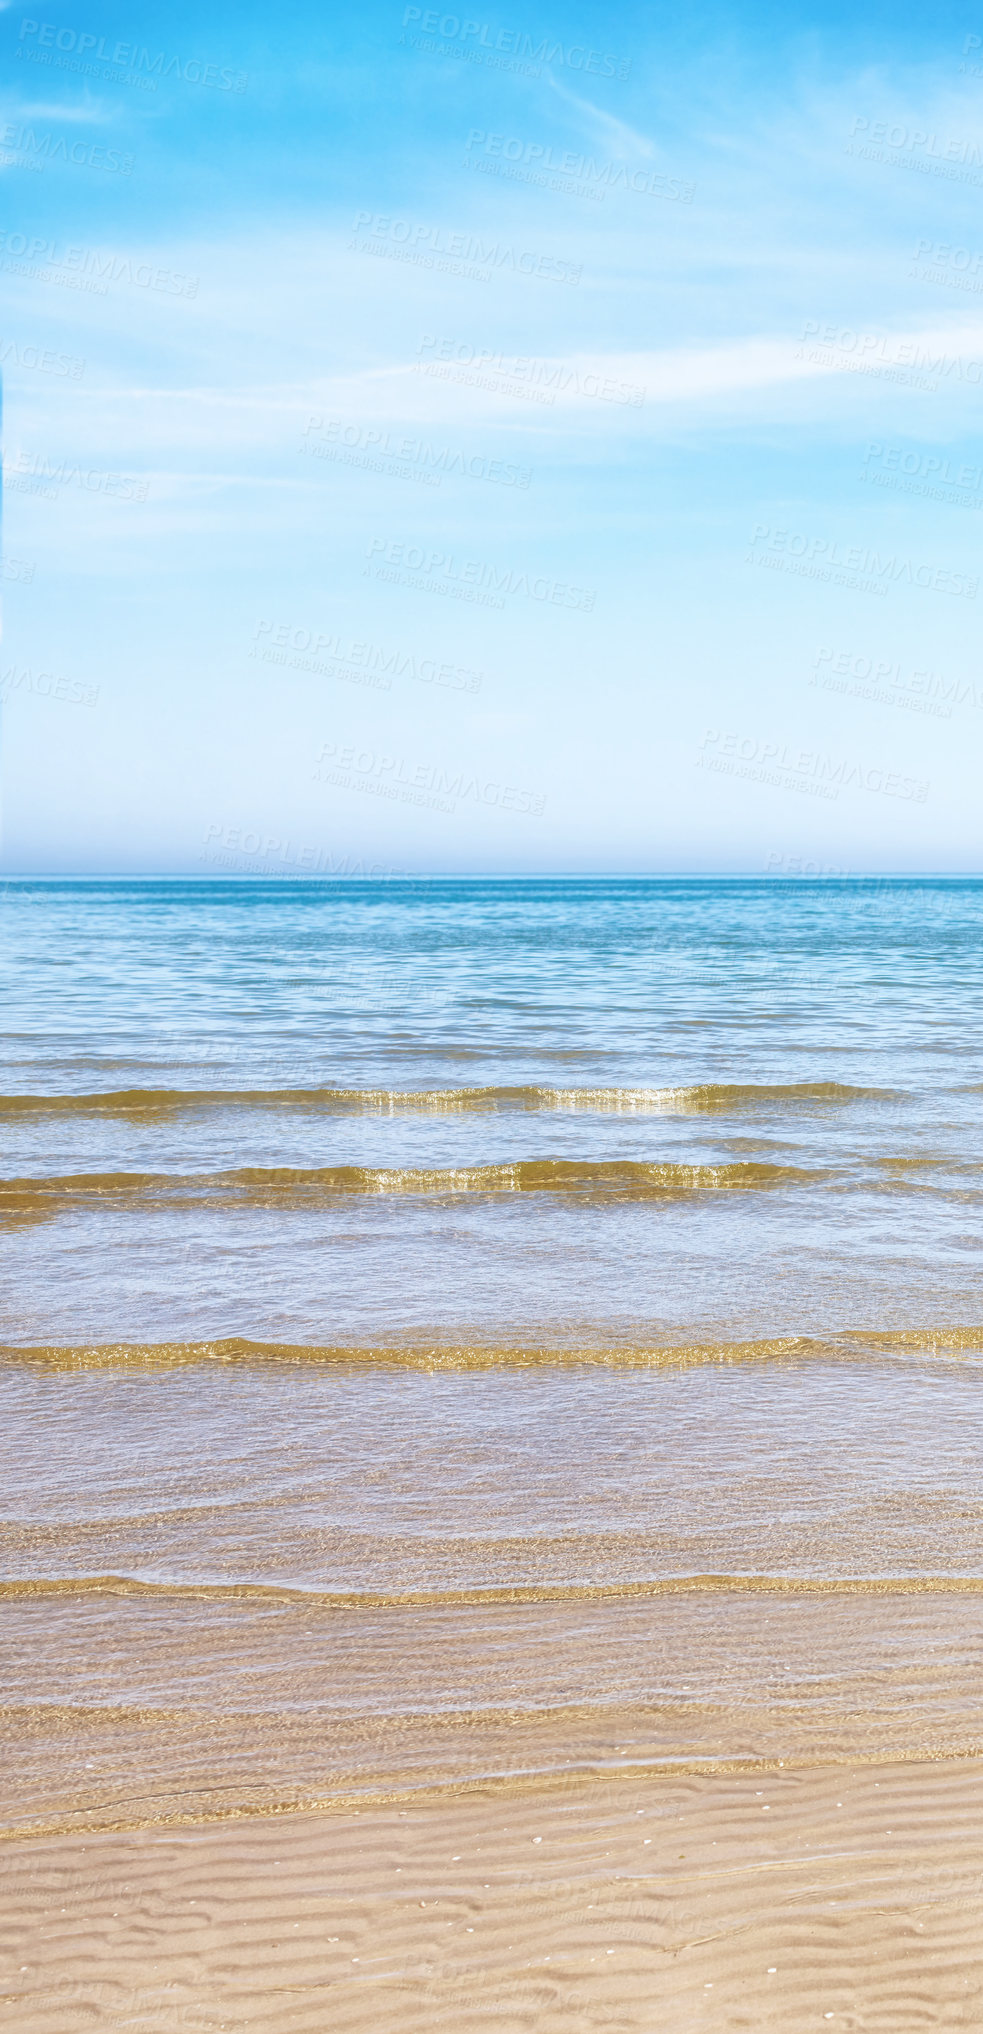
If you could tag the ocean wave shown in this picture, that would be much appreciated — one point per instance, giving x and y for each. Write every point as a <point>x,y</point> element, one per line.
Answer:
<point>29,1588</point>
<point>851,1344</point>
<point>706,1099</point>
<point>622,1179</point>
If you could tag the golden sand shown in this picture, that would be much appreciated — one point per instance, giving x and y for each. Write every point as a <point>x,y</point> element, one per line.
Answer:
<point>781,1901</point>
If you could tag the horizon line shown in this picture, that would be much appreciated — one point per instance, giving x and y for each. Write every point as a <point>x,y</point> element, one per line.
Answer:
<point>408,880</point>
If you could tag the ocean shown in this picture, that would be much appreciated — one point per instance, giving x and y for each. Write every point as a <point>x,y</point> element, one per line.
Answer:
<point>458,1333</point>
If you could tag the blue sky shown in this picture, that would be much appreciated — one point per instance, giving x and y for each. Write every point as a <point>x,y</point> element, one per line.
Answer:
<point>528,440</point>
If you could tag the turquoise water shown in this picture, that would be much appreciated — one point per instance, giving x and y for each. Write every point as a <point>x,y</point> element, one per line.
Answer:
<point>272,985</point>
<point>348,1112</point>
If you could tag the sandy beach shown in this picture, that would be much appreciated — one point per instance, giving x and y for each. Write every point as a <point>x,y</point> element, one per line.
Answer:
<point>491,1536</point>
<point>792,1900</point>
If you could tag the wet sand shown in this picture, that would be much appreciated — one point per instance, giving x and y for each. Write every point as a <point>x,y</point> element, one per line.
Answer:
<point>848,1897</point>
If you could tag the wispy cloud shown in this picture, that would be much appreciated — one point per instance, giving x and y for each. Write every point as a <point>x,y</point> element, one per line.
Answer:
<point>613,133</point>
<point>87,112</point>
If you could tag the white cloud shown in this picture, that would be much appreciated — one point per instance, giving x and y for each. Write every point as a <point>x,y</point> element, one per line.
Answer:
<point>615,134</point>
<point>197,428</point>
<point>86,112</point>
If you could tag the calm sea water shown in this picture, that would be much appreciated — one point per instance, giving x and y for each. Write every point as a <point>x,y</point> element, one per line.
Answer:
<point>464,1328</point>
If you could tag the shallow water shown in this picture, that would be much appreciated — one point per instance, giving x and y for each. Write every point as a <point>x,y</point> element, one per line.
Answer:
<point>469,1328</point>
